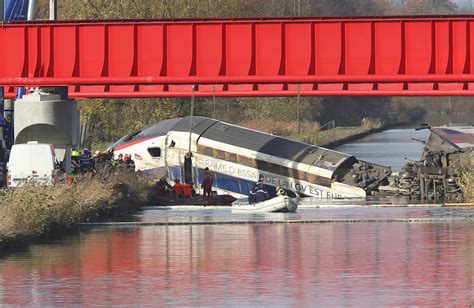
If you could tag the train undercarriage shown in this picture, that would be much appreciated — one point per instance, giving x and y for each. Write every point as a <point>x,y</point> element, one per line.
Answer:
<point>437,175</point>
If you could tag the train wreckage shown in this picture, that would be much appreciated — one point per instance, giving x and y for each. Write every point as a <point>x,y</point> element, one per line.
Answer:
<point>447,153</point>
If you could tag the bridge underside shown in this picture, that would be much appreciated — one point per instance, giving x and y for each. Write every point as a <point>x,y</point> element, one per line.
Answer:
<point>386,56</point>
<point>259,90</point>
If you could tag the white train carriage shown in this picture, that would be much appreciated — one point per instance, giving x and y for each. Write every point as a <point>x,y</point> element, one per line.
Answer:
<point>237,156</point>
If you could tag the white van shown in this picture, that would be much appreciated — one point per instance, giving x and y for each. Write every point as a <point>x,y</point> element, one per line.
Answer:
<point>32,162</point>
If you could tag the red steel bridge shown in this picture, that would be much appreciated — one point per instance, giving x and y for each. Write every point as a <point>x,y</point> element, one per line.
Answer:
<point>382,56</point>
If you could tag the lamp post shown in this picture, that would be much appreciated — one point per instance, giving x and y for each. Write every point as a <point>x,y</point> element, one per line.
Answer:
<point>2,10</point>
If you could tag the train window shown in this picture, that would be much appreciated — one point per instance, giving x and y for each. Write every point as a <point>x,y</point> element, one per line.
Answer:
<point>275,168</point>
<point>219,154</point>
<point>315,179</point>
<point>284,171</point>
<point>312,178</point>
<point>300,175</point>
<point>231,157</point>
<point>249,162</point>
<point>263,165</point>
<point>154,152</point>
<point>205,150</point>
<point>208,151</point>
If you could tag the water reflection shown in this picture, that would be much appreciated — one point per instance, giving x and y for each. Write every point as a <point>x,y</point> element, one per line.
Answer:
<point>317,264</point>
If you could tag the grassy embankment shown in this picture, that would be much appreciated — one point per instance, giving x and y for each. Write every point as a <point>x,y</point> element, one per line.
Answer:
<point>34,212</point>
<point>311,132</point>
<point>467,186</point>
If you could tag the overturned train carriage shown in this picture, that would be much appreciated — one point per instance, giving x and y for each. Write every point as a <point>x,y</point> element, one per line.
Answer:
<point>447,153</point>
<point>237,156</point>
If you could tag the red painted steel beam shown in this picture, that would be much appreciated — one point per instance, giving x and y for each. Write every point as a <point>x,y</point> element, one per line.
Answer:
<point>82,92</point>
<point>243,57</point>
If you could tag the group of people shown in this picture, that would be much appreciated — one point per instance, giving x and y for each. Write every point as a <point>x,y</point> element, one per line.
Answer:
<point>178,190</point>
<point>81,161</point>
<point>259,193</point>
<point>186,190</point>
<point>84,162</point>
<point>123,161</point>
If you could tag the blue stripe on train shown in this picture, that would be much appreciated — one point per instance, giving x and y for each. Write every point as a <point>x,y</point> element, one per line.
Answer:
<point>236,185</point>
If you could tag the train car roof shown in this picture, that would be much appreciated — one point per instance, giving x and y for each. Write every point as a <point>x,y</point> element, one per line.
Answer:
<point>263,142</point>
<point>245,138</point>
<point>461,137</point>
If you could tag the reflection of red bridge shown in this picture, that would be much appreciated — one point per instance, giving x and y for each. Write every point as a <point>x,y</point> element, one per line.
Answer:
<point>243,57</point>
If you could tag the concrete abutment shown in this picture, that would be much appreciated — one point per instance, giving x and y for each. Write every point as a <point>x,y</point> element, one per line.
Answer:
<point>48,116</point>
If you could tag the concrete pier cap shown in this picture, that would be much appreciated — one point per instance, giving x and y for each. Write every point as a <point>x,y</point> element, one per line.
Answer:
<point>47,115</point>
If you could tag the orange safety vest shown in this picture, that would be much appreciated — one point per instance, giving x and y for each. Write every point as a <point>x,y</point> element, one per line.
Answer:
<point>178,188</point>
<point>187,190</point>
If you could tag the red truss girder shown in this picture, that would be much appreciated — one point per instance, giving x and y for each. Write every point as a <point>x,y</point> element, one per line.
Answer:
<point>243,57</point>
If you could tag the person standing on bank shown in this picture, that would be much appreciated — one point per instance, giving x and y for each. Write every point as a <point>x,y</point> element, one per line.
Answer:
<point>207,182</point>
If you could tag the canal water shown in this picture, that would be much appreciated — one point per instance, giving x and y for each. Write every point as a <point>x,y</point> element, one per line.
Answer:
<point>346,253</point>
<point>394,147</point>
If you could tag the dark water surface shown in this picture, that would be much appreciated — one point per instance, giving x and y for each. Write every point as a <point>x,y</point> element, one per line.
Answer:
<point>393,254</point>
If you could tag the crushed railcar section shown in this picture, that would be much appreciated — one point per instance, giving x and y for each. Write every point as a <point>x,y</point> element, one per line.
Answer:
<point>447,153</point>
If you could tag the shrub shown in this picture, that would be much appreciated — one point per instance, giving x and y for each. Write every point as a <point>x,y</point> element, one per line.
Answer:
<point>34,211</point>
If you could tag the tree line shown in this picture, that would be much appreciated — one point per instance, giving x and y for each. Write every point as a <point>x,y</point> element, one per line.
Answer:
<point>109,119</point>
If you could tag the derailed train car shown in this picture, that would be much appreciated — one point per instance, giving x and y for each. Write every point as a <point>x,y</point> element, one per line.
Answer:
<point>447,153</point>
<point>183,147</point>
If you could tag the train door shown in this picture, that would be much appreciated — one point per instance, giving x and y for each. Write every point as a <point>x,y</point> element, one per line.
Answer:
<point>180,164</point>
<point>172,157</point>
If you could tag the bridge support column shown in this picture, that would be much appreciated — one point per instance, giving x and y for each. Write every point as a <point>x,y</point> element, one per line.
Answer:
<point>48,116</point>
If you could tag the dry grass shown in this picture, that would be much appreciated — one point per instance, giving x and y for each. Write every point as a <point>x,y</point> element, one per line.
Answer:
<point>281,128</point>
<point>466,182</point>
<point>340,133</point>
<point>32,211</point>
<point>311,131</point>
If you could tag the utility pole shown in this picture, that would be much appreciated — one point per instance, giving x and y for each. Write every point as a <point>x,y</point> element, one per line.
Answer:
<point>31,10</point>
<point>214,100</point>
<point>53,10</point>
<point>449,110</point>
<point>296,7</point>
<point>298,104</point>
<point>2,10</point>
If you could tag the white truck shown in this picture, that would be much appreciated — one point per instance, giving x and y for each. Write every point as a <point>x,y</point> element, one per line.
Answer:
<point>32,162</point>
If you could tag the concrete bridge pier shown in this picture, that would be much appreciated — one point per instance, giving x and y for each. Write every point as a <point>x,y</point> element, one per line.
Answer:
<point>48,116</point>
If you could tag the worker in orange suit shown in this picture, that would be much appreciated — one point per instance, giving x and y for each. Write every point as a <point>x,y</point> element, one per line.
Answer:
<point>178,189</point>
